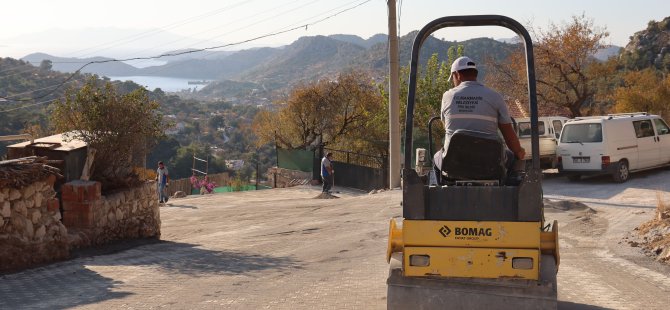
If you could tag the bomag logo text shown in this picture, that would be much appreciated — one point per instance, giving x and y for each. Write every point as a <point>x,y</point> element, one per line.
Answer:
<point>472,231</point>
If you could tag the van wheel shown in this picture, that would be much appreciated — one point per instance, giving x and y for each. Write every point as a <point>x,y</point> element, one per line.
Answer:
<point>621,174</point>
<point>574,177</point>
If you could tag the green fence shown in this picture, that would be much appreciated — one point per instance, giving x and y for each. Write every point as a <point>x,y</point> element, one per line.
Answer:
<point>228,189</point>
<point>295,159</point>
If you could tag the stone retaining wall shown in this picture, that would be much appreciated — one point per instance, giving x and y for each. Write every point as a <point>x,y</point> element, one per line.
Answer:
<point>31,232</point>
<point>93,219</point>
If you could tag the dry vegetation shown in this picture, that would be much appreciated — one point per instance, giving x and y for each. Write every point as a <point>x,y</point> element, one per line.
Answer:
<point>655,233</point>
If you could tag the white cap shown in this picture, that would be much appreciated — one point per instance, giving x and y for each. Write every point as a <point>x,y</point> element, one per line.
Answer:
<point>462,63</point>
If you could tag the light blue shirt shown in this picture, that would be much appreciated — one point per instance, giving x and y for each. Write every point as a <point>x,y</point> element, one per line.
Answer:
<point>473,106</point>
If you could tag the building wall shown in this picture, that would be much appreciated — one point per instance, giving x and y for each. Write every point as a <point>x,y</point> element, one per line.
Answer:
<point>31,232</point>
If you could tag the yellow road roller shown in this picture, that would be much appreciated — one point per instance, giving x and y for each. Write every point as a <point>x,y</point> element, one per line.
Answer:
<point>474,241</point>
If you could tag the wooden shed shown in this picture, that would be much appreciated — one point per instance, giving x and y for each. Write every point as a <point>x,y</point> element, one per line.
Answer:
<point>57,147</point>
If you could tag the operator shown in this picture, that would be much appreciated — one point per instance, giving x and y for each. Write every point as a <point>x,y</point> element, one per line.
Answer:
<point>471,105</point>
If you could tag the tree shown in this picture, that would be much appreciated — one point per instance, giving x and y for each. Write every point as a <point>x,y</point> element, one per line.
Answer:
<point>566,72</point>
<point>322,112</point>
<point>215,122</point>
<point>432,82</point>
<point>643,91</point>
<point>46,65</point>
<point>120,127</point>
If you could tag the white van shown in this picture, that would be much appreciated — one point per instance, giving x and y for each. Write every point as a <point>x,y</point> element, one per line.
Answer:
<point>615,144</point>
<point>549,129</point>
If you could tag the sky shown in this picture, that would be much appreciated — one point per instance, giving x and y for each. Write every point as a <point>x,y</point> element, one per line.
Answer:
<point>124,29</point>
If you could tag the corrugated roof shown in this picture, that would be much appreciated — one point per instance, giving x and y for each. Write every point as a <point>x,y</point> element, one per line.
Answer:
<point>56,142</point>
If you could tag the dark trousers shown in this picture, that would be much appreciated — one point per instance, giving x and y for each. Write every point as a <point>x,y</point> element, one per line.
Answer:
<point>327,183</point>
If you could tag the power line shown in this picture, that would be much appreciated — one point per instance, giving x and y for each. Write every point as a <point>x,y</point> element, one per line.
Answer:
<point>166,27</point>
<point>165,67</point>
<point>243,18</point>
<point>58,86</point>
<point>138,36</point>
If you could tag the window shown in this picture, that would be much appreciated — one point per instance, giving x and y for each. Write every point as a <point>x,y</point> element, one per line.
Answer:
<point>524,129</point>
<point>558,125</point>
<point>580,133</point>
<point>661,127</point>
<point>643,128</point>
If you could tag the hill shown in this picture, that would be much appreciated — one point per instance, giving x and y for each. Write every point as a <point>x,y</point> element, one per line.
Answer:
<point>375,39</point>
<point>649,47</point>
<point>306,59</point>
<point>64,64</point>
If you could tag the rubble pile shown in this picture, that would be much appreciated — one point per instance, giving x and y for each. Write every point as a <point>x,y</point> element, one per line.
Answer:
<point>655,234</point>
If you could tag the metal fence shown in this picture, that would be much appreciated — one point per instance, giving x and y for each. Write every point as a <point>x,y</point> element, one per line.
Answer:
<point>359,159</point>
<point>357,170</point>
<point>354,170</point>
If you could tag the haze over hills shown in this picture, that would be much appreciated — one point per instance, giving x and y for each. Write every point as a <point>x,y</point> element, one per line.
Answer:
<point>275,68</point>
<point>307,58</point>
<point>63,64</point>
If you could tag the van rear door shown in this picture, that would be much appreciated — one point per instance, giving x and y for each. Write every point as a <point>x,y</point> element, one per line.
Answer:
<point>581,147</point>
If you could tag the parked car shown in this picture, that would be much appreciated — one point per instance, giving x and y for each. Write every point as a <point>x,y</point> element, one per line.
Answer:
<point>615,144</point>
<point>549,129</point>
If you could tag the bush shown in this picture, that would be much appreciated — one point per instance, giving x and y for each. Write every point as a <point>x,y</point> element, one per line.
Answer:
<point>121,128</point>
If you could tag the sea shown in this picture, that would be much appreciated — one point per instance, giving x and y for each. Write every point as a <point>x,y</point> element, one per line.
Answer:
<point>167,84</point>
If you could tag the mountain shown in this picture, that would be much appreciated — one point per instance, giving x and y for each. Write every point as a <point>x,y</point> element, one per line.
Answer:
<point>63,64</point>
<point>308,58</point>
<point>111,42</point>
<point>212,69</point>
<point>649,47</point>
<point>191,53</point>
<point>270,69</point>
<point>512,40</point>
<point>607,52</point>
<point>353,39</point>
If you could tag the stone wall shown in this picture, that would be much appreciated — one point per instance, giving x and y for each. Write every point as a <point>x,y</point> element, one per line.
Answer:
<point>93,219</point>
<point>31,232</point>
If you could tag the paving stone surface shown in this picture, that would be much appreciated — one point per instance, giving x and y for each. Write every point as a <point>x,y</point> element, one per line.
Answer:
<point>282,249</point>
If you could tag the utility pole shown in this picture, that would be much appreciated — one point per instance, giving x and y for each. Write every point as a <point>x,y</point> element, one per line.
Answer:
<point>394,99</point>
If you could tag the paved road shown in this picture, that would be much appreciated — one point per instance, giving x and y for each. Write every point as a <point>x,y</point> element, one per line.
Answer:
<point>280,249</point>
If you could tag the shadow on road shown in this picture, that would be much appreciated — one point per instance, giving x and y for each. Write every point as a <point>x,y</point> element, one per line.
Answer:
<point>566,305</point>
<point>75,283</point>
<point>171,205</point>
<point>190,259</point>
<point>58,286</point>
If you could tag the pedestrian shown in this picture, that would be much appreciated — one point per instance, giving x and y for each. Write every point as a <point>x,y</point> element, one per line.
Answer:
<point>471,105</point>
<point>163,180</point>
<point>327,172</point>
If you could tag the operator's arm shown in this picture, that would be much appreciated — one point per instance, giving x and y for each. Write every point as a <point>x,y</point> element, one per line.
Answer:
<point>512,140</point>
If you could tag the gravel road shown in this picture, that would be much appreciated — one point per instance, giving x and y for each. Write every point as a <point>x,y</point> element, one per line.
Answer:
<point>281,249</point>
